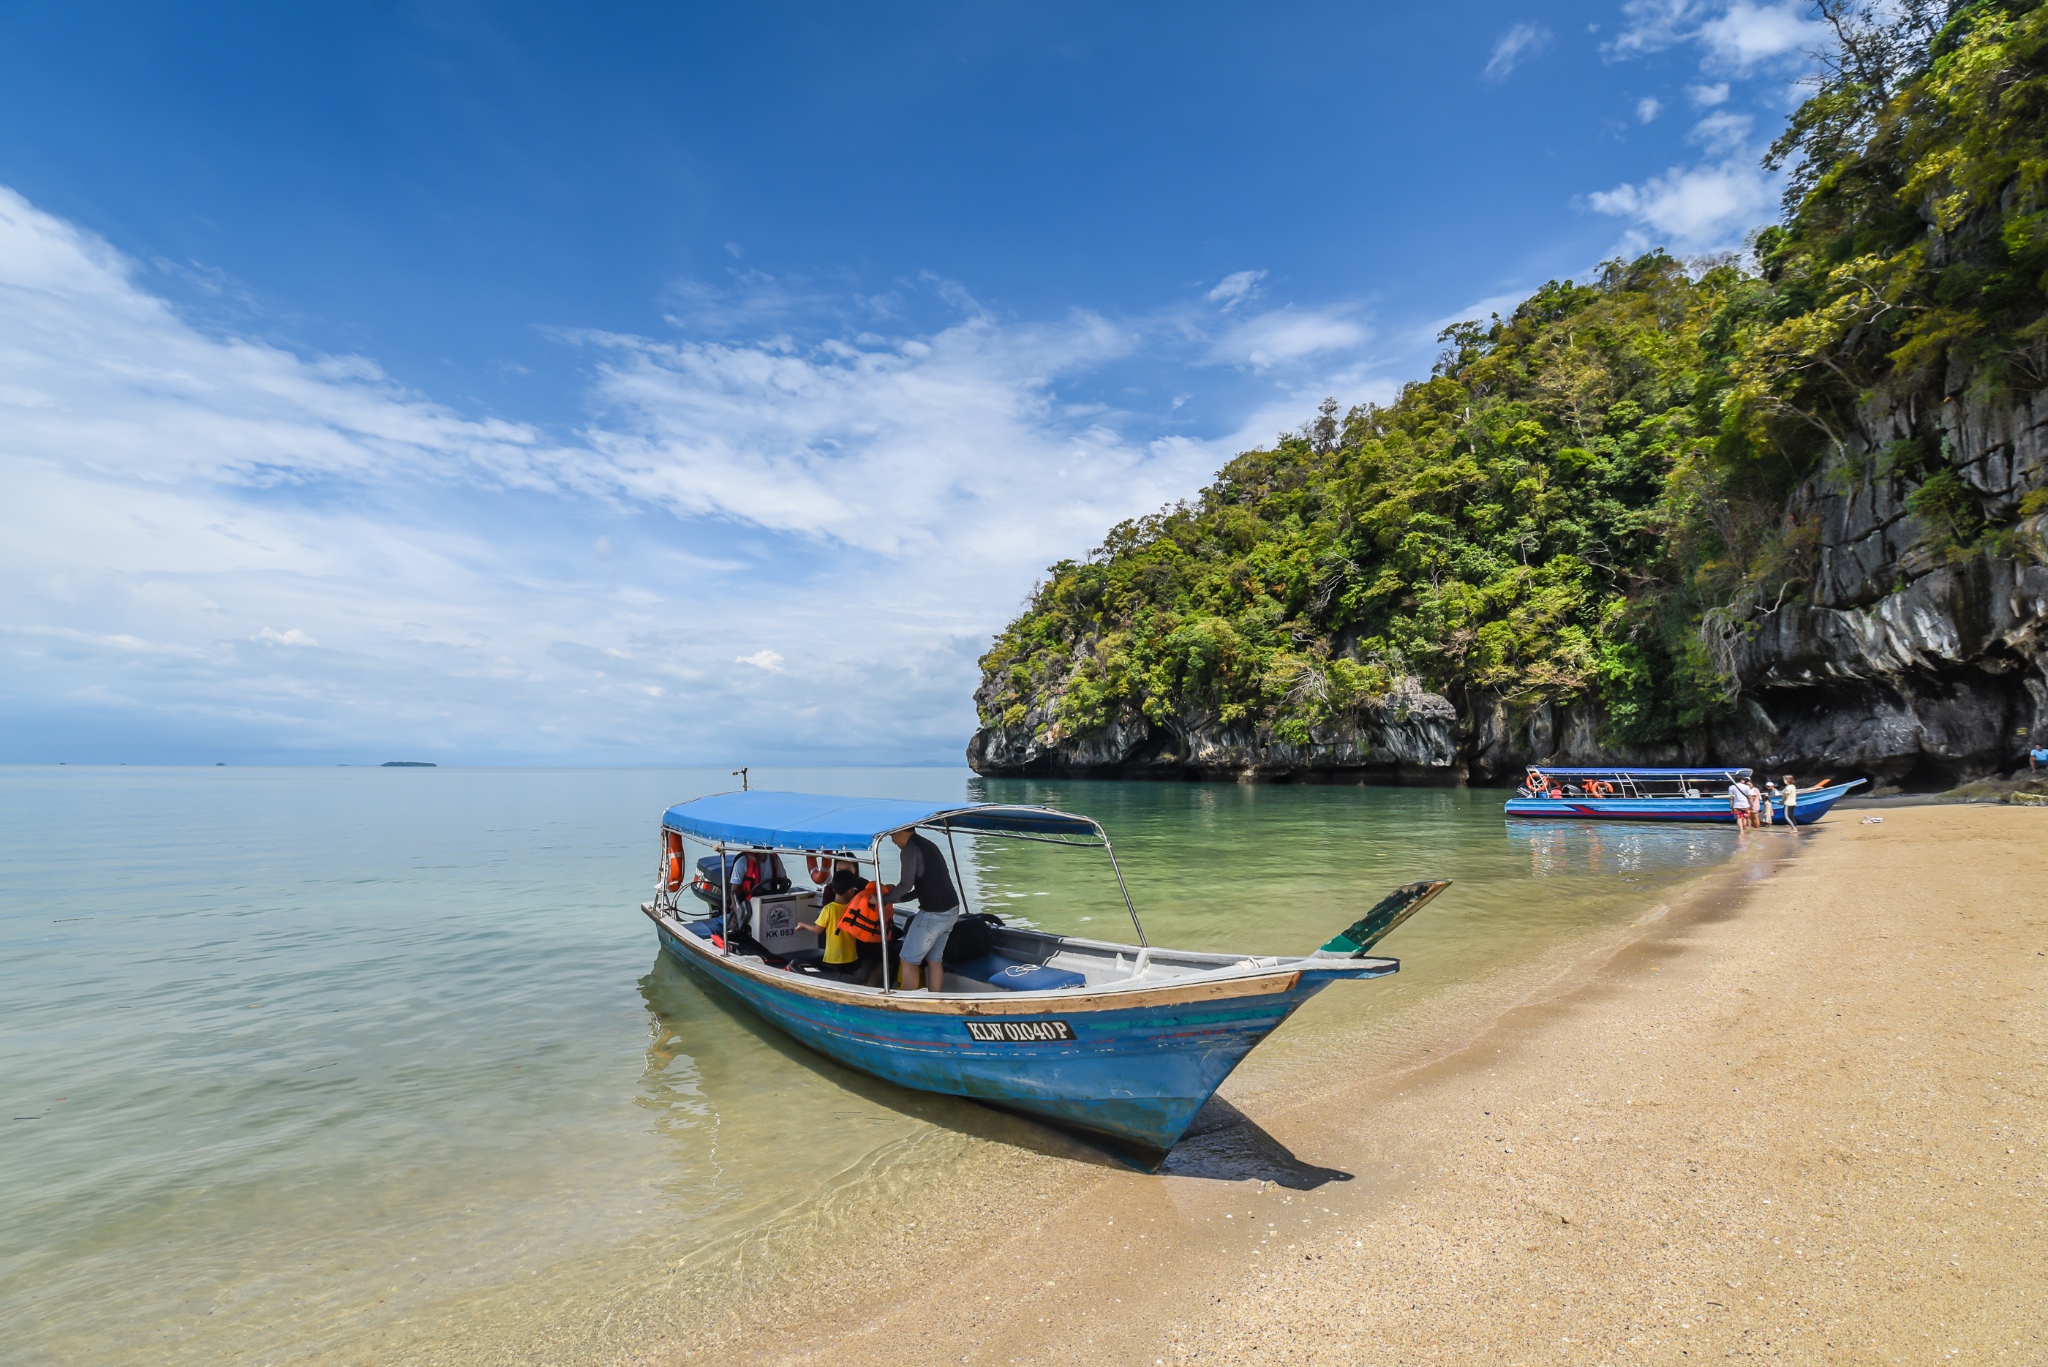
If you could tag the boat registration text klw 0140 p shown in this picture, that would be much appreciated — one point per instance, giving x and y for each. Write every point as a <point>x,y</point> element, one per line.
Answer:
<point>1018,1032</point>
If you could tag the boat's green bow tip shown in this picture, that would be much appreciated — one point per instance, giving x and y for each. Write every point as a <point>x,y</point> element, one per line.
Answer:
<point>1396,907</point>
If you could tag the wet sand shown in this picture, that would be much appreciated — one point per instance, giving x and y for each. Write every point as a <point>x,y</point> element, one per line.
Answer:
<point>1797,1115</point>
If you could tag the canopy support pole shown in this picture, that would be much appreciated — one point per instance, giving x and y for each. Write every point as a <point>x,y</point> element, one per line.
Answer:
<point>959,878</point>
<point>724,902</point>
<point>1142,942</point>
<point>884,914</point>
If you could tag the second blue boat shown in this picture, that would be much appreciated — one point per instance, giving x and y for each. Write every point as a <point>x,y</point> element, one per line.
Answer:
<point>1660,795</point>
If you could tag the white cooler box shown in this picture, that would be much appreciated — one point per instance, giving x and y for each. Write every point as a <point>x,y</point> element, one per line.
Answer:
<point>778,922</point>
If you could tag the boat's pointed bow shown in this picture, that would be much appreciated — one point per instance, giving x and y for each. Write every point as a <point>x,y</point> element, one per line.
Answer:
<point>1396,907</point>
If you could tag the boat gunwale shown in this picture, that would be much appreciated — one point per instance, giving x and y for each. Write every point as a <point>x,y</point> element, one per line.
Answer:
<point>1265,980</point>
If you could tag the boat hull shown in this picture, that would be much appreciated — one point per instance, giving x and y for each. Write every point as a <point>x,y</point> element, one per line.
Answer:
<point>1711,810</point>
<point>1131,1065</point>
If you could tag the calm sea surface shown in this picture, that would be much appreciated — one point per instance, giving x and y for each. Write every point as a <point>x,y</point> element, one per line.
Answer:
<point>286,1053</point>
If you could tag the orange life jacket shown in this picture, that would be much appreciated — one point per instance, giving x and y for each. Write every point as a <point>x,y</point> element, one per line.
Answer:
<point>860,919</point>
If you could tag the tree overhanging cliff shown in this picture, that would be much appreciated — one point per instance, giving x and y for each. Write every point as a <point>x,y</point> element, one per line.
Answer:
<point>1679,511</point>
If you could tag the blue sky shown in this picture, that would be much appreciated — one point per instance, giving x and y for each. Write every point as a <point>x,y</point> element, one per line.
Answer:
<point>642,383</point>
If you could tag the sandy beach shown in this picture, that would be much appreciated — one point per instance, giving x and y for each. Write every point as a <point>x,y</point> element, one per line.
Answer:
<point>1797,1115</point>
<point>1794,1111</point>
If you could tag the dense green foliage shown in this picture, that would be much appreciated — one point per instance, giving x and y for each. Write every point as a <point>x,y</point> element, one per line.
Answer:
<point>1917,236</point>
<point>1588,498</point>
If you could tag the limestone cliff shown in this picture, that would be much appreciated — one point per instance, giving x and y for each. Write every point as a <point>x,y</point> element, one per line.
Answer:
<point>1890,658</point>
<point>1904,661</point>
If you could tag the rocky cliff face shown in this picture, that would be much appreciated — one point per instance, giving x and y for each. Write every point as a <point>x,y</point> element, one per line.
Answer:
<point>1409,737</point>
<point>1902,662</point>
<point>1896,660</point>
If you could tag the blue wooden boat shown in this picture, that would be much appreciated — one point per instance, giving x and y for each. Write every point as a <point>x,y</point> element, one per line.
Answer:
<point>1655,795</point>
<point>1122,1041</point>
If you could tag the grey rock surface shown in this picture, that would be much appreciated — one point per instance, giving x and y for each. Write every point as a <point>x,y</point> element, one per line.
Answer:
<point>1904,664</point>
<point>1411,736</point>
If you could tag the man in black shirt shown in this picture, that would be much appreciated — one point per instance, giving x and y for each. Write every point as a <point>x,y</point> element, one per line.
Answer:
<point>924,880</point>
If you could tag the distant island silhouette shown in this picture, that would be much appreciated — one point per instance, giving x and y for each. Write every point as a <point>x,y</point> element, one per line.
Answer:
<point>406,764</point>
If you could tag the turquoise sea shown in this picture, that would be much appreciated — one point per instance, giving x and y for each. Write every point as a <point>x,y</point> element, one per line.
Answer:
<point>292,1055</point>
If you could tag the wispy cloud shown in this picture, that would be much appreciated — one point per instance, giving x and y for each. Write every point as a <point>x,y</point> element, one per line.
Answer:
<point>1720,132</point>
<point>1747,36</point>
<point>1282,335</point>
<point>790,545</point>
<point>1517,45</point>
<point>1700,208</point>
<point>1648,108</point>
<point>1235,288</point>
<point>1738,37</point>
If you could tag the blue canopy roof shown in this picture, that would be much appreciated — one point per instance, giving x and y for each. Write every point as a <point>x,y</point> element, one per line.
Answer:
<point>810,821</point>
<point>1640,773</point>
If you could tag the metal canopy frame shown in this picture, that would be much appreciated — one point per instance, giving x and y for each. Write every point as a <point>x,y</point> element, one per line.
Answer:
<point>940,821</point>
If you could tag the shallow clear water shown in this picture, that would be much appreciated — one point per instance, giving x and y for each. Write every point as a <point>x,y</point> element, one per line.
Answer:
<point>288,1053</point>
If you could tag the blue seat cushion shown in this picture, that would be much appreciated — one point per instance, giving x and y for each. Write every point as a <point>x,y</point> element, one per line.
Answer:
<point>1000,972</point>
<point>703,930</point>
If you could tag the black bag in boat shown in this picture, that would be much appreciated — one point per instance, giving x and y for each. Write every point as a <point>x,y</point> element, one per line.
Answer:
<point>733,878</point>
<point>972,937</point>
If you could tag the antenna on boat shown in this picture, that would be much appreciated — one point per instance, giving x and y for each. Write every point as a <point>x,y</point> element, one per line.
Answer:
<point>741,774</point>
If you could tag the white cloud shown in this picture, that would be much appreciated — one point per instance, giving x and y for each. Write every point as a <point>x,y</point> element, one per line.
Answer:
<point>1737,37</point>
<point>1233,289</point>
<point>860,514</point>
<point>1747,36</point>
<point>1653,25</point>
<point>1281,335</point>
<point>1648,108</point>
<point>1721,132</point>
<point>1701,208</point>
<point>1707,96</point>
<point>1517,44</point>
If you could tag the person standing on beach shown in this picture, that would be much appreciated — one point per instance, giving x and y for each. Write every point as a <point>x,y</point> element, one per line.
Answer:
<point>1759,805</point>
<point>1738,803</point>
<point>1791,794</point>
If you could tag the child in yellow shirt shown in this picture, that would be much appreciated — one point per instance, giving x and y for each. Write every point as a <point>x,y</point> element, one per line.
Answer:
<point>841,949</point>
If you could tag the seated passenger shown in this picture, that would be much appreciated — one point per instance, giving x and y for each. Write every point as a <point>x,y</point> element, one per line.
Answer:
<point>861,919</point>
<point>842,951</point>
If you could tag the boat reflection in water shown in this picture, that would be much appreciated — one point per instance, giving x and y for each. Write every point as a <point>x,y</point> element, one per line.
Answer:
<point>1599,849</point>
